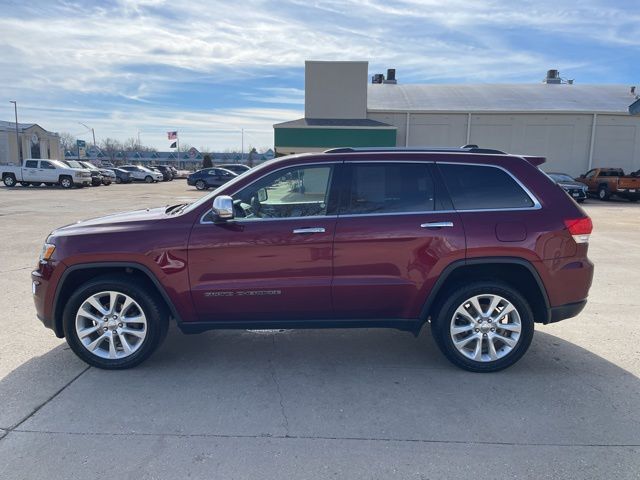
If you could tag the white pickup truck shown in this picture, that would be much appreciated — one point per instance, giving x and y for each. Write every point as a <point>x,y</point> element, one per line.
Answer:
<point>50,172</point>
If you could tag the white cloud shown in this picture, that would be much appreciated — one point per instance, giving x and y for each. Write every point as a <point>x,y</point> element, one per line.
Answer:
<point>61,59</point>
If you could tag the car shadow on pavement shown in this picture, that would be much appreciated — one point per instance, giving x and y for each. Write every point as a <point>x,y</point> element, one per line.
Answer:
<point>356,384</point>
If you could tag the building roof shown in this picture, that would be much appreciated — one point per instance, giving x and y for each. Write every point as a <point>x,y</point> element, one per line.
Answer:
<point>542,97</point>
<point>11,126</point>
<point>155,157</point>
<point>333,123</point>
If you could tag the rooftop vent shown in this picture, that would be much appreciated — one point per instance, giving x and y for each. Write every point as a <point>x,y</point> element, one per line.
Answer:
<point>553,77</point>
<point>378,78</point>
<point>391,76</point>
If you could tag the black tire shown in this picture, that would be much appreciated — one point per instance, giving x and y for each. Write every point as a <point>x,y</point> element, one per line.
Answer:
<point>118,180</point>
<point>66,181</point>
<point>9,180</point>
<point>580,200</point>
<point>603,193</point>
<point>444,316</point>
<point>201,185</point>
<point>148,179</point>
<point>106,183</point>
<point>150,303</point>
<point>25,184</point>
<point>633,199</point>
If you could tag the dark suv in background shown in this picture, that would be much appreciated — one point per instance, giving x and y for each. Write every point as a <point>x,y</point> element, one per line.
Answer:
<point>478,244</point>
<point>210,178</point>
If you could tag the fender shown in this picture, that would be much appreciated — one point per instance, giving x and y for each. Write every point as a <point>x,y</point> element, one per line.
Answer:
<point>97,265</point>
<point>449,269</point>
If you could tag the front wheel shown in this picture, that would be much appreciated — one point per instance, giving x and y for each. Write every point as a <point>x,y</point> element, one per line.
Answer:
<point>148,179</point>
<point>603,193</point>
<point>114,323</point>
<point>200,185</point>
<point>118,180</point>
<point>66,182</point>
<point>484,327</point>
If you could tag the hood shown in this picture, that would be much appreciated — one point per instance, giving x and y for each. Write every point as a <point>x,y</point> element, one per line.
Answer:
<point>568,184</point>
<point>116,222</point>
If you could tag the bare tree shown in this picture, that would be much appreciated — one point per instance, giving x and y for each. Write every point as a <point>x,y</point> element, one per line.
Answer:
<point>67,141</point>
<point>110,147</point>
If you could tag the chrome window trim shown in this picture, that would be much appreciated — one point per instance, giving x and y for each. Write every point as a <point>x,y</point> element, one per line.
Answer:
<point>536,203</point>
<point>333,162</point>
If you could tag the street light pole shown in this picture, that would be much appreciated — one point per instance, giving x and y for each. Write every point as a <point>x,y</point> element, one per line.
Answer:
<point>15,108</point>
<point>92,133</point>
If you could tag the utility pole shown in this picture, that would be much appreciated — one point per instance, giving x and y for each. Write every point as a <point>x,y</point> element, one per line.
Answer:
<point>93,133</point>
<point>15,108</point>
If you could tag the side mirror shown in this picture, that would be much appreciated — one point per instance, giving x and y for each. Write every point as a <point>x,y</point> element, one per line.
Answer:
<point>223,207</point>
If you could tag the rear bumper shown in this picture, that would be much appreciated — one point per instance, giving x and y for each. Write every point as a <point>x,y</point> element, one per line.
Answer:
<point>568,310</point>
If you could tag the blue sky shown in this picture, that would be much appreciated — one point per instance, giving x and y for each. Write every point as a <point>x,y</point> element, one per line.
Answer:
<point>209,69</point>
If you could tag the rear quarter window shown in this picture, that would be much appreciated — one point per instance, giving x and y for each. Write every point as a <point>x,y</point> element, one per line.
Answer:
<point>477,187</point>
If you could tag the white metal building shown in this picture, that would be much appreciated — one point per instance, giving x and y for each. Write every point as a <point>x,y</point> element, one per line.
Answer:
<point>575,126</point>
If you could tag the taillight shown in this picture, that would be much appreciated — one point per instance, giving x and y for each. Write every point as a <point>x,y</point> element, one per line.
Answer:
<point>580,228</point>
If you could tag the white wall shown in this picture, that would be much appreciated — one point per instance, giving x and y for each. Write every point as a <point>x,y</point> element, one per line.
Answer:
<point>563,138</point>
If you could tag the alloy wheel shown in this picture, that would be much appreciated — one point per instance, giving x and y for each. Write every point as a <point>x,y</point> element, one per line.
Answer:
<point>485,328</point>
<point>111,325</point>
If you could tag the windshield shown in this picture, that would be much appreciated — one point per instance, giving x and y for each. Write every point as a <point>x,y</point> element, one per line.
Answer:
<point>74,164</point>
<point>561,177</point>
<point>209,197</point>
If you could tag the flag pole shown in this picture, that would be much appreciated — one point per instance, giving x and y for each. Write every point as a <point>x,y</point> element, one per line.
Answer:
<point>178,147</point>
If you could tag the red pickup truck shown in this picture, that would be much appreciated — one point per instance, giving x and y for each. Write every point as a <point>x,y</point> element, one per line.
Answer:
<point>605,182</point>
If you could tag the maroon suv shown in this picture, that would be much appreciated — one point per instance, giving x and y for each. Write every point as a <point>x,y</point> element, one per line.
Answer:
<point>478,243</point>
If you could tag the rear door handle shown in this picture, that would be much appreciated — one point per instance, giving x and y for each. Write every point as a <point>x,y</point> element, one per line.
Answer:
<point>309,230</point>
<point>436,224</point>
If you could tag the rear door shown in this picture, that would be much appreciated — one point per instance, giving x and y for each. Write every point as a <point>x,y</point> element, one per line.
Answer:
<point>30,171</point>
<point>396,232</point>
<point>274,260</point>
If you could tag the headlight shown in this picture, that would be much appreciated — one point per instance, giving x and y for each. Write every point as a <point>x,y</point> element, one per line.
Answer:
<point>47,252</point>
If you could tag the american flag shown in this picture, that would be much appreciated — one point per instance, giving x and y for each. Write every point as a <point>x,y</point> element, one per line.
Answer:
<point>172,135</point>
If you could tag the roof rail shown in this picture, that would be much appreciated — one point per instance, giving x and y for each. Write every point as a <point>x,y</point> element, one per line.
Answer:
<point>465,149</point>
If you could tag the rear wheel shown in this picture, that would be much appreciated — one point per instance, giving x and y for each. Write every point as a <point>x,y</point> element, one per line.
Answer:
<point>118,180</point>
<point>114,323</point>
<point>484,327</point>
<point>9,180</point>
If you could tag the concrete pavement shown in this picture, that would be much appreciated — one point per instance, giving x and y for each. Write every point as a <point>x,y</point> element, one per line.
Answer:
<point>316,404</point>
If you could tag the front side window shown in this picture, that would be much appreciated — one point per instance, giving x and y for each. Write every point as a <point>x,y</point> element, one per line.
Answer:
<point>477,187</point>
<point>47,165</point>
<point>390,188</point>
<point>590,174</point>
<point>295,192</point>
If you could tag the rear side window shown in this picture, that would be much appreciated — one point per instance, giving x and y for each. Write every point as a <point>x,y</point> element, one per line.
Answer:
<point>475,187</point>
<point>31,164</point>
<point>390,188</point>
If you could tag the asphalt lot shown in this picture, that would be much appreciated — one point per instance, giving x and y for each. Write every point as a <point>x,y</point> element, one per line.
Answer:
<point>316,404</point>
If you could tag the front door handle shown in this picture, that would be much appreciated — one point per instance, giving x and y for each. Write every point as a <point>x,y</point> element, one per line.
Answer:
<point>436,224</point>
<point>309,230</point>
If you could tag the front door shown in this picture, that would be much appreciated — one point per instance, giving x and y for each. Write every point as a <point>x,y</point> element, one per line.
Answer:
<point>274,260</point>
<point>48,172</point>
<point>396,232</point>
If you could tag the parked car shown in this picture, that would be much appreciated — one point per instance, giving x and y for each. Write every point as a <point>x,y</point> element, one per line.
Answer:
<point>142,174</point>
<point>122,176</point>
<point>478,246</point>
<point>605,182</point>
<point>49,172</point>
<point>210,178</point>
<point>174,171</point>
<point>237,168</point>
<point>96,176</point>
<point>167,174</point>
<point>576,190</point>
<point>108,176</point>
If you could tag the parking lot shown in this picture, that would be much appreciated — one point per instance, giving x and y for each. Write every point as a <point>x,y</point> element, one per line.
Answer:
<point>316,404</point>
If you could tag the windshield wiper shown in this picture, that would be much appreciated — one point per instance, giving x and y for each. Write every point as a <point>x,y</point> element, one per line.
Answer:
<point>173,209</point>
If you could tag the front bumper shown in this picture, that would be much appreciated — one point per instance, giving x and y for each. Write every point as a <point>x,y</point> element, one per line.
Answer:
<point>43,281</point>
